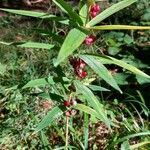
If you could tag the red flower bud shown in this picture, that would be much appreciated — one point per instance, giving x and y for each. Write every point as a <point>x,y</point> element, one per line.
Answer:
<point>93,14</point>
<point>90,40</point>
<point>73,102</point>
<point>81,74</point>
<point>68,114</point>
<point>66,103</point>
<point>95,8</point>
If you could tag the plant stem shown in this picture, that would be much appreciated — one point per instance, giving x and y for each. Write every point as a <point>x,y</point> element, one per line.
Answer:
<point>67,131</point>
<point>86,130</point>
<point>67,126</point>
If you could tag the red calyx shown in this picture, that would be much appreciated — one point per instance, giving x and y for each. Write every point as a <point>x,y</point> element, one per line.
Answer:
<point>78,65</point>
<point>90,40</point>
<point>66,103</point>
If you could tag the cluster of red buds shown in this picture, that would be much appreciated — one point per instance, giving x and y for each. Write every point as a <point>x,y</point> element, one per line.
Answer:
<point>94,10</point>
<point>70,112</point>
<point>70,103</point>
<point>78,66</point>
<point>90,40</point>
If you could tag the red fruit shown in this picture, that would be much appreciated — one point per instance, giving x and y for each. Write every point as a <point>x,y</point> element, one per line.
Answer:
<point>95,8</point>
<point>90,40</point>
<point>66,103</point>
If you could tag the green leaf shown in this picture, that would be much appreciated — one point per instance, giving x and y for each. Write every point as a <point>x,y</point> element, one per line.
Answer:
<point>125,146</point>
<point>93,101</point>
<point>110,60</point>
<point>73,40</point>
<point>36,45</point>
<point>29,13</point>
<point>101,70</point>
<point>69,10</point>
<point>119,27</point>
<point>113,50</point>
<point>29,45</point>
<point>39,82</point>
<point>83,13</point>
<point>121,78</point>
<point>97,88</point>
<point>110,11</point>
<point>128,137</point>
<point>49,118</point>
<point>87,110</point>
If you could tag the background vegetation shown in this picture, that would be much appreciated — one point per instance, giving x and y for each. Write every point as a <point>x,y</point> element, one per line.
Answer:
<point>22,109</point>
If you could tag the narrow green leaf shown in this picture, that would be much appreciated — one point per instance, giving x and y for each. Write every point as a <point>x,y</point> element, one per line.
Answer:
<point>87,110</point>
<point>39,82</point>
<point>73,40</point>
<point>35,45</point>
<point>97,88</point>
<point>110,60</point>
<point>83,13</point>
<point>92,100</point>
<point>136,146</point>
<point>119,27</point>
<point>29,13</point>
<point>128,137</point>
<point>110,11</point>
<point>101,70</point>
<point>49,118</point>
<point>69,10</point>
<point>29,45</point>
<point>6,43</point>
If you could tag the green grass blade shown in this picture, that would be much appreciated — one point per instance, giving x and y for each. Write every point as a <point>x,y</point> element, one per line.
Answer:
<point>137,146</point>
<point>119,27</point>
<point>36,45</point>
<point>129,137</point>
<point>29,13</point>
<point>101,70</point>
<point>110,11</point>
<point>73,40</point>
<point>67,8</point>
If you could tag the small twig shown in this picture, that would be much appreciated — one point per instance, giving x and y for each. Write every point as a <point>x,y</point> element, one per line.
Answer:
<point>67,128</point>
<point>67,132</point>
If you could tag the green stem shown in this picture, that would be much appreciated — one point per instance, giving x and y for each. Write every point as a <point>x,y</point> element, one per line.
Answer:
<point>86,130</point>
